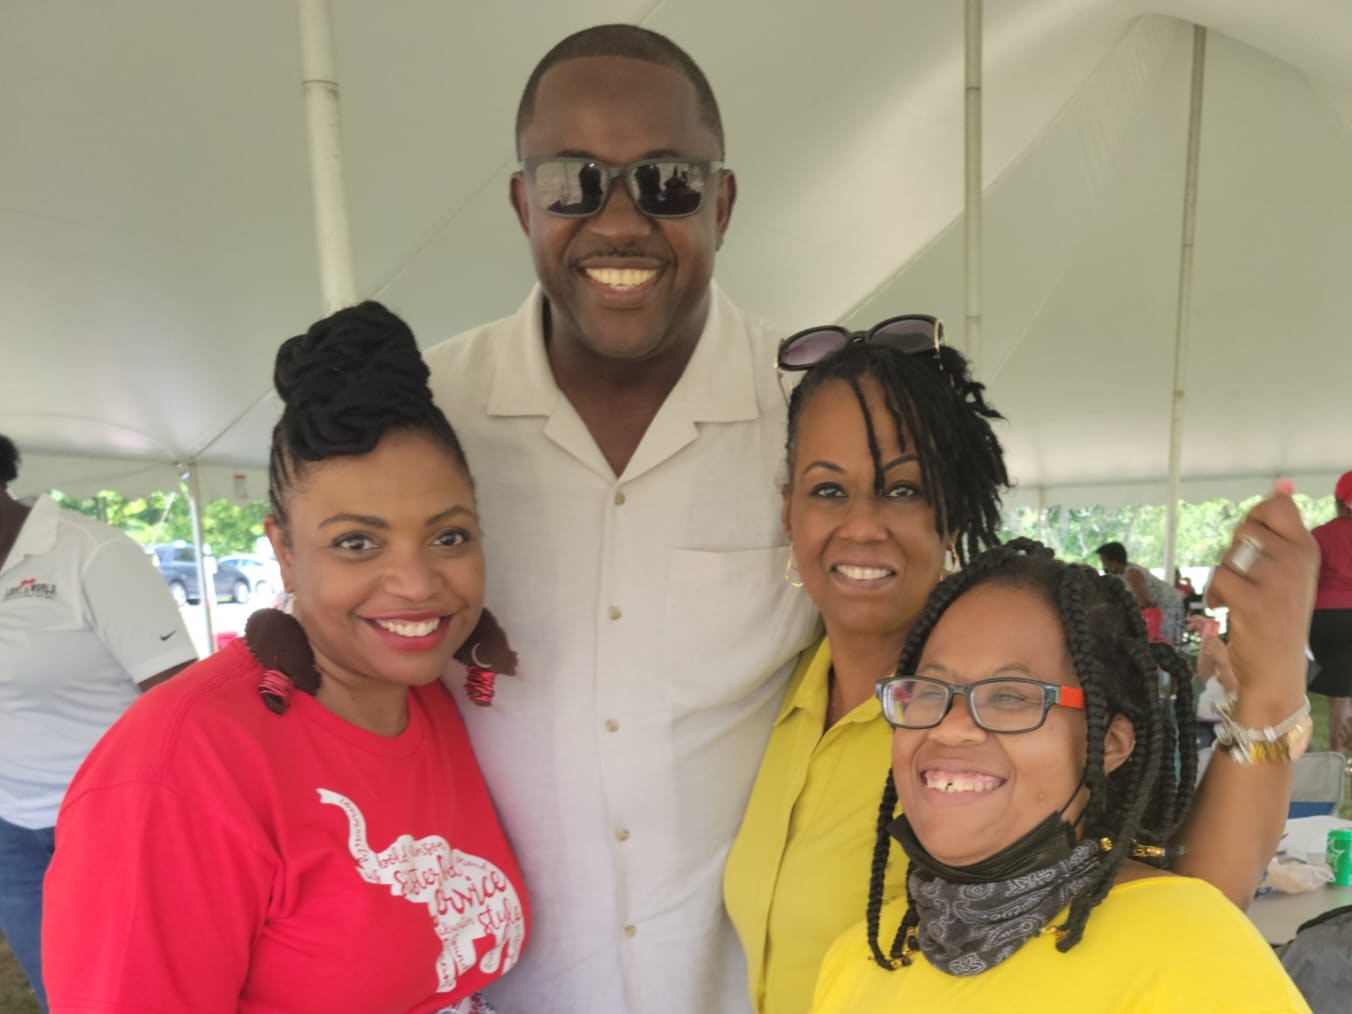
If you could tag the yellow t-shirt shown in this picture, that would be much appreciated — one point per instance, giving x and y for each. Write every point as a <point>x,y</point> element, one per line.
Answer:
<point>1154,945</point>
<point>798,872</point>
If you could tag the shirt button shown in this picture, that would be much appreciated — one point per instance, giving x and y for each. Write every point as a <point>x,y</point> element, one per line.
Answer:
<point>630,930</point>
<point>614,612</point>
<point>622,834</point>
<point>619,498</point>
<point>612,725</point>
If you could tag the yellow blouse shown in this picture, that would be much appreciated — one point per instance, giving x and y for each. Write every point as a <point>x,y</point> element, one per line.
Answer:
<point>1157,945</point>
<point>798,872</point>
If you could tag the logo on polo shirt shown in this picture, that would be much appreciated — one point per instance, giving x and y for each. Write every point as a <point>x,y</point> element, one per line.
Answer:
<point>31,588</point>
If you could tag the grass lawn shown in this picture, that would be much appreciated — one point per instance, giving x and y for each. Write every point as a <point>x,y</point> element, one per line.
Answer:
<point>15,996</point>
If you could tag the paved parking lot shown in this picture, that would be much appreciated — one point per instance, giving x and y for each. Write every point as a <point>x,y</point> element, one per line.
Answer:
<point>227,617</point>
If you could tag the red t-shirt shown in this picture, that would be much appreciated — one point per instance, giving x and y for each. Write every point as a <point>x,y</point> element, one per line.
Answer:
<point>1335,564</point>
<point>214,856</point>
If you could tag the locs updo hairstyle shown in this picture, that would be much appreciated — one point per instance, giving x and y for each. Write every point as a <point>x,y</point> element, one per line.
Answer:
<point>1145,799</point>
<point>932,398</point>
<point>9,461</point>
<point>350,379</point>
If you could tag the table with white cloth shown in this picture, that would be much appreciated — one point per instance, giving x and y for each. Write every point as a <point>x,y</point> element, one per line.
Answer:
<point>1279,915</point>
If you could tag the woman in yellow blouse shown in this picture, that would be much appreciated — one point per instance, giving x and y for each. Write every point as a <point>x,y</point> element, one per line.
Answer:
<point>894,475</point>
<point>1026,807</point>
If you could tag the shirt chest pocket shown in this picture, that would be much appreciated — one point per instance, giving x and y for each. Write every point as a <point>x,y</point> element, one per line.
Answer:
<point>732,621</point>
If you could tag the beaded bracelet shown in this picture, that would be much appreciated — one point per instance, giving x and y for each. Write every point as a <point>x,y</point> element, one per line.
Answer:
<point>1273,744</point>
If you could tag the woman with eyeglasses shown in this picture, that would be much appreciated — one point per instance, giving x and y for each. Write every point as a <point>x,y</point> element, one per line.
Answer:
<point>1035,764</point>
<point>298,822</point>
<point>894,477</point>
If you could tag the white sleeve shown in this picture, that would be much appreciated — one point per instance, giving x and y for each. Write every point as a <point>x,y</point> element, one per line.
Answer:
<point>132,612</point>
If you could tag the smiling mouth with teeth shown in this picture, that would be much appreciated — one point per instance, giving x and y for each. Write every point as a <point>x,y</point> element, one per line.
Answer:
<point>862,573</point>
<point>964,781</point>
<point>621,278</point>
<point>403,628</point>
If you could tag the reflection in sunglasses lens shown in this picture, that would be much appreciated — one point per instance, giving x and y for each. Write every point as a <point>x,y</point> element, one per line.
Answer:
<point>669,188</point>
<point>569,187</point>
<point>813,346</point>
<point>906,335</point>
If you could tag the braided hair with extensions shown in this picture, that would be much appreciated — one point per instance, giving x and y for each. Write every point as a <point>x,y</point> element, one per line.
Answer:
<point>934,402</point>
<point>350,379</point>
<point>1145,799</point>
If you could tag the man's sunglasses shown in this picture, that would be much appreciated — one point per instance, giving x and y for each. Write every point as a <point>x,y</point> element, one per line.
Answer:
<point>915,332</point>
<point>660,187</point>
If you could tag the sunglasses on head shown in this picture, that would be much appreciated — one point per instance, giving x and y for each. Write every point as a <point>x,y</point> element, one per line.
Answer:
<point>914,332</point>
<point>660,187</point>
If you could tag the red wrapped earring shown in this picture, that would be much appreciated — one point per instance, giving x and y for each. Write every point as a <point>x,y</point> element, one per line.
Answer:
<point>481,678</point>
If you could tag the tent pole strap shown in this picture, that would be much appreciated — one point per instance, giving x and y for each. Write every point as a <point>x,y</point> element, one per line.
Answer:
<point>1184,299</point>
<point>972,186</point>
<point>336,276</point>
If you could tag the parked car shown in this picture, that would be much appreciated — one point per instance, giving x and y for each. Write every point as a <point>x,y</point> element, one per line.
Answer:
<point>251,578</point>
<point>240,578</point>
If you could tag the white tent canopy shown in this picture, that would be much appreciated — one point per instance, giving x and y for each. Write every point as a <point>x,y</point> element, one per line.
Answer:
<point>156,232</point>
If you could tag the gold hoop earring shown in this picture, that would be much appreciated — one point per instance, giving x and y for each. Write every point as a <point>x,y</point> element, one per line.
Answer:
<point>951,562</point>
<point>790,570</point>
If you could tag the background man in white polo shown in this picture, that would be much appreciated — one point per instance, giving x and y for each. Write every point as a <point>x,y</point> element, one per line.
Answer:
<point>86,623</point>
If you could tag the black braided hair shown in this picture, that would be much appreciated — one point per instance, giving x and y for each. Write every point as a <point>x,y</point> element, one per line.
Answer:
<point>350,379</point>
<point>1145,799</point>
<point>933,399</point>
<point>631,42</point>
<point>9,461</point>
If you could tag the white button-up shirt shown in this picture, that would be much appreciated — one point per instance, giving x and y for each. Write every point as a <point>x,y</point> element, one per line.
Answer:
<point>655,633</point>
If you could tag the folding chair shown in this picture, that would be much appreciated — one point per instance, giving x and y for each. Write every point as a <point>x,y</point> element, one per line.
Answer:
<point>1317,785</point>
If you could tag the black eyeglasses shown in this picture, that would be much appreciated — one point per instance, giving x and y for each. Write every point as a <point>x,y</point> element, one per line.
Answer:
<point>660,187</point>
<point>913,332</point>
<point>1003,704</point>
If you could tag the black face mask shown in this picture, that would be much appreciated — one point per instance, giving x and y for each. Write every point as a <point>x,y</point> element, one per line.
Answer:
<point>1047,843</point>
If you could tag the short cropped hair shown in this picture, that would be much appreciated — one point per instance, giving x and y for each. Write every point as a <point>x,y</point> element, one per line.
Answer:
<point>1113,552</point>
<point>633,43</point>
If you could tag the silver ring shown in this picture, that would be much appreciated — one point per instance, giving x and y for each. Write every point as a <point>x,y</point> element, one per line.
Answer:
<point>1245,555</point>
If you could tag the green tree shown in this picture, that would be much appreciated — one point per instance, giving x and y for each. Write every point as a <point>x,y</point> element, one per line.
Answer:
<point>1204,529</point>
<point>165,517</point>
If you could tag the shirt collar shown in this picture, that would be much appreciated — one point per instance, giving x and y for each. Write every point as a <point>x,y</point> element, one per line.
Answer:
<point>37,535</point>
<point>718,384</point>
<point>809,690</point>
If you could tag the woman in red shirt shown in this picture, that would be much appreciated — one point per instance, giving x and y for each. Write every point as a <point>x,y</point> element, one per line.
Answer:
<point>298,822</point>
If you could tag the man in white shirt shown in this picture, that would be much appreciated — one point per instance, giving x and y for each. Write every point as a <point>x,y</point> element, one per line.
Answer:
<point>626,431</point>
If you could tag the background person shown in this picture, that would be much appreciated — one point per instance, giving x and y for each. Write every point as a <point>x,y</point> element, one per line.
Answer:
<point>298,822</point>
<point>1026,805</point>
<point>1331,625</point>
<point>85,624</point>
<point>1149,591</point>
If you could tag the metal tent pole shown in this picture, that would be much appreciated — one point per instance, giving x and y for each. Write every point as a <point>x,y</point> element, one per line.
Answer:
<point>1184,299</point>
<point>972,185</point>
<point>205,581</point>
<point>336,276</point>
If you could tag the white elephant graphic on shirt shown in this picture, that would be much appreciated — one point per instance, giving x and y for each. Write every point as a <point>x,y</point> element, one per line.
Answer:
<point>469,898</point>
